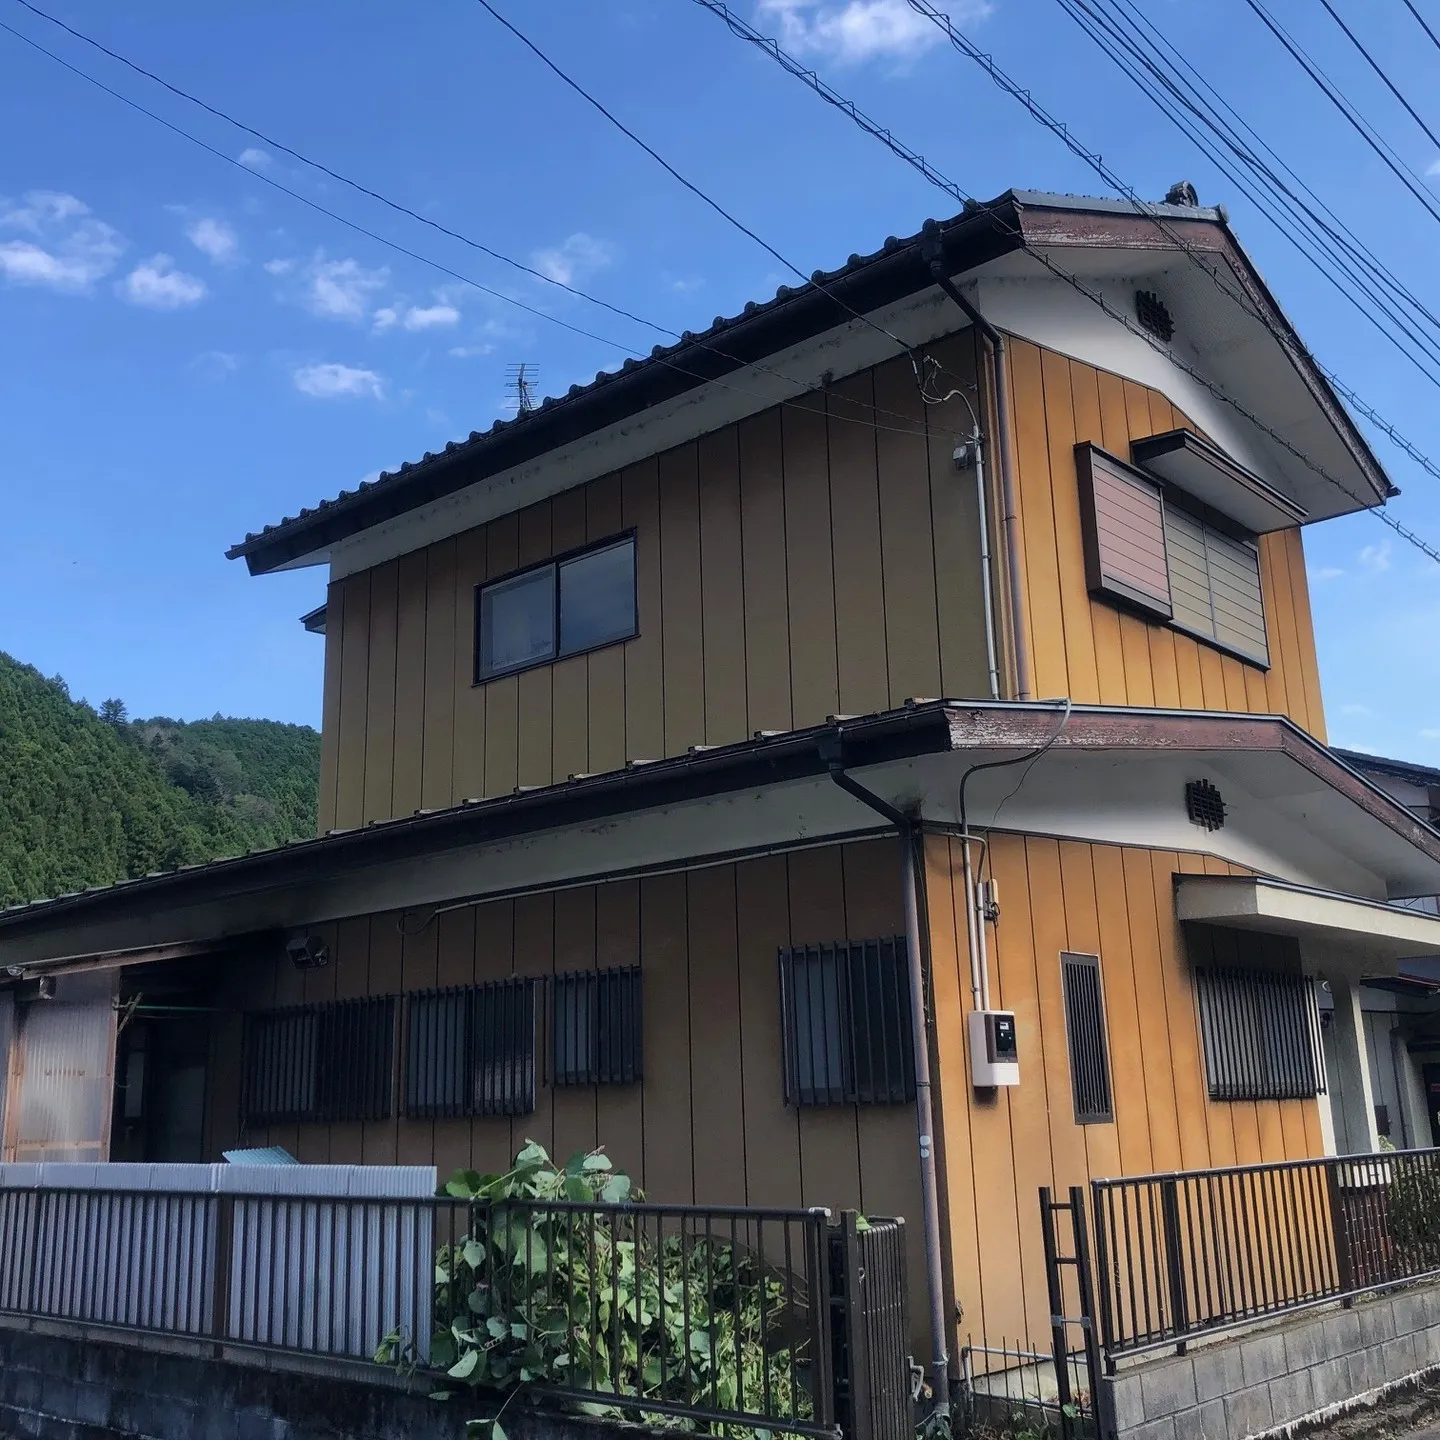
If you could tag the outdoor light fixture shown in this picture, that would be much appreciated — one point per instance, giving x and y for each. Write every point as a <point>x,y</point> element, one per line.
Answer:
<point>307,952</point>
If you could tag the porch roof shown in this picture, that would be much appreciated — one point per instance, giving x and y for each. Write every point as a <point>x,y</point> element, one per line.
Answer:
<point>1364,929</point>
<point>1083,772</point>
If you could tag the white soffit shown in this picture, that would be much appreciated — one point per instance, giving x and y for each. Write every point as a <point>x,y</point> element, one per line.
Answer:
<point>1371,930</point>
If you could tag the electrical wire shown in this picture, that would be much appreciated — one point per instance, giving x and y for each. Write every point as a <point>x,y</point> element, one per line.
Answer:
<point>740,28</point>
<point>1362,127</point>
<point>1409,5</point>
<point>397,206</point>
<point>1370,60</point>
<point>803,387</point>
<point>1406,320</point>
<point>690,185</point>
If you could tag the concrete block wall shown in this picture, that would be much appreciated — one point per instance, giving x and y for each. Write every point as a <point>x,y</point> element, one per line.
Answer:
<point>55,1386</point>
<point>1264,1380</point>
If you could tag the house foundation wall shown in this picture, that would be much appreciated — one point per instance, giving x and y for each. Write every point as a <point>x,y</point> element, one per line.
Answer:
<point>1272,1380</point>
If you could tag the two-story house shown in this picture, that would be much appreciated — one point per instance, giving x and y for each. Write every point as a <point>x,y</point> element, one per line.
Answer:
<point>869,753</point>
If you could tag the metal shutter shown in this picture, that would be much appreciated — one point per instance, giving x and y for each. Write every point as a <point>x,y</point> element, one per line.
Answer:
<point>1215,585</point>
<point>1124,529</point>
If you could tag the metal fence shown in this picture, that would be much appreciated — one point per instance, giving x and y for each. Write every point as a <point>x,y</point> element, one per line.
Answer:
<point>773,1319</point>
<point>1197,1251</point>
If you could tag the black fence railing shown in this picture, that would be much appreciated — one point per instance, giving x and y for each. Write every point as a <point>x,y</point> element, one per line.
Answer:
<point>778,1320</point>
<point>1197,1251</point>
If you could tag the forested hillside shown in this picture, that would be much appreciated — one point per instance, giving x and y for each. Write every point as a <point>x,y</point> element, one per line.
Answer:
<point>88,798</point>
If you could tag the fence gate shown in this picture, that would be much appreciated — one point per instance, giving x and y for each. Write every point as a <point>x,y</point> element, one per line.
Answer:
<point>1080,1393</point>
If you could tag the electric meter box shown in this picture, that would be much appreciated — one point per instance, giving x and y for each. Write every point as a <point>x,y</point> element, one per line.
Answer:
<point>994,1048</point>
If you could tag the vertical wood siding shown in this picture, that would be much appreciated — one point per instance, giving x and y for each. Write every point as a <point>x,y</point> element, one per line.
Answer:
<point>709,1125</point>
<point>1090,650</point>
<point>1117,902</point>
<point>820,557</point>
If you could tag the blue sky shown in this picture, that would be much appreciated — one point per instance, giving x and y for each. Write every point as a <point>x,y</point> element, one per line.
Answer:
<point>187,353</point>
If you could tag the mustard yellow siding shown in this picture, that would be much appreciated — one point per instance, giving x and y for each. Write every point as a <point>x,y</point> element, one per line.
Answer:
<point>998,1149</point>
<point>819,558</point>
<point>1088,649</point>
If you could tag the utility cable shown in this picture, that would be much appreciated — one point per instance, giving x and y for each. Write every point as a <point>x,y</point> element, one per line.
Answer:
<point>803,387</point>
<point>1373,64</point>
<point>1175,92</point>
<point>394,205</point>
<point>1409,5</point>
<point>693,188</point>
<point>793,67</point>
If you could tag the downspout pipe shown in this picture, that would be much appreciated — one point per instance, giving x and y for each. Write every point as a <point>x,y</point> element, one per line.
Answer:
<point>924,1108</point>
<point>1009,516</point>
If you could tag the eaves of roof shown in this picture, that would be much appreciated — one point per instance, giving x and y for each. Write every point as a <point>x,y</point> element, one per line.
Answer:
<point>918,728</point>
<point>1425,776</point>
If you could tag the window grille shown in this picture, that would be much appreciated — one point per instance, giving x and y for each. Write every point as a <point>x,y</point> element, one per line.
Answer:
<point>596,1027</point>
<point>470,1050</point>
<point>319,1063</point>
<point>1261,1030</point>
<point>846,1016</point>
<point>1085,1032</point>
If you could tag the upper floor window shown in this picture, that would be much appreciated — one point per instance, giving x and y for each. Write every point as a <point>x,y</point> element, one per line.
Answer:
<point>1151,549</point>
<point>563,607</point>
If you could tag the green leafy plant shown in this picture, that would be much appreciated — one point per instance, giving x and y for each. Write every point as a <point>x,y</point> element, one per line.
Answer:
<point>1412,1214</point>
<point>604,1300</point>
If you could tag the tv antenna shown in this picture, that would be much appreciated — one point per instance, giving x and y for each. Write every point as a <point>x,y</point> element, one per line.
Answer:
<point>520,382</point>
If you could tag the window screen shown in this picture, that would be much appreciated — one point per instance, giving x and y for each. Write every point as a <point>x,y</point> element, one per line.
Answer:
<point>471,1050</point>
<point>564,608</point>
<point>1124,531</point>
<point>1085,1032</point>
<point>595,1028</point>
<point>1261,1031</point>
<point>324,1063</point>
<point>846,1016</point>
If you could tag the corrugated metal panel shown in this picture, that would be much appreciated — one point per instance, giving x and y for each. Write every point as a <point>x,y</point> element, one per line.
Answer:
<point>66,1072</point>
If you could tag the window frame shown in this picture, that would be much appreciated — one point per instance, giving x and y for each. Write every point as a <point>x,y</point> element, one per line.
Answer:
<point>1171,498</point>
<point>467,1055</point>
<point>555,564</point>
<point>1100,1063</point>
<point>331,1037</point>
<point>880,1077</point>
<point>615,1052</point>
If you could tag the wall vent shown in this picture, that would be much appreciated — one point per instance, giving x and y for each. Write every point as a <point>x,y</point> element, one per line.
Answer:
<point>1203,804</point>
<point>1150,311</point>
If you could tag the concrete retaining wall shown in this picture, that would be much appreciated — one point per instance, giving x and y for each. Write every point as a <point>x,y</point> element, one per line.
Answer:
<point>1270,1379</point>
<point>55,1386</point>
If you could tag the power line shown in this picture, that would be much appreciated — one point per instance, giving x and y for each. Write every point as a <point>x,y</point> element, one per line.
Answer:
<point>1176,92</point>
<point>1423,25</point>
<point>690,185</point>
<point>770,47</point>
<point>452,274</point>
<point>1363,128</point>
<point>1371,61</point>
<point>376,195</point>
<point>802,386</point>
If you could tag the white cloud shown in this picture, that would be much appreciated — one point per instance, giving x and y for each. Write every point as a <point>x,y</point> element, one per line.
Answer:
<point>469,352</point>
<point>1329,572</point>
<point>386,318</point>
<point>1357,711</point>
<point>331,382</point>
<point>341,289</point>
<point>157,284</point>
<point>216,364</point>
<point>577,257</point>
<point>1376,557</point>
<point>70,249</point>
<point>254,159</point>
<point>853,31</point>
<point>430,317</point>
<point>1433,168</point>
<point>1430,734</point>
<point>280,266</point>
<point>216,239</point>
